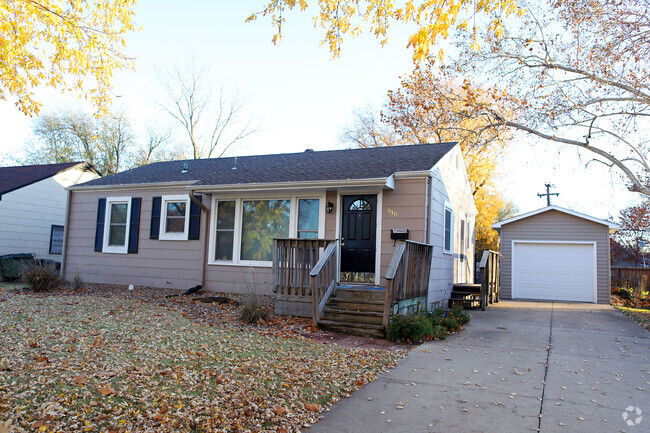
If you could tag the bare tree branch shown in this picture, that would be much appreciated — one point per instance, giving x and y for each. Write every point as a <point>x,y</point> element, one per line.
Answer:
<point>189,101</point>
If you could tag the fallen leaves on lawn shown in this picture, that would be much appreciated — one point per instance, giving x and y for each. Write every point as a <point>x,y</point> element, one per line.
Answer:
<point>107,364</point>
<point>107,390</point>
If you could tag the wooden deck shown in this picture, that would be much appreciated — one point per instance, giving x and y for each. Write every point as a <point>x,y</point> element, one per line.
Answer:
<point>306,284</point>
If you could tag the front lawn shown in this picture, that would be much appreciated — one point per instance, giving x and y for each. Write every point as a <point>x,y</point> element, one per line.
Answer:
<point>639,315</point>
<point>84,363</point>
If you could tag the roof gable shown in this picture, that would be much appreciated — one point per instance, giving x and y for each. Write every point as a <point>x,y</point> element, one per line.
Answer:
<point>308,166</point>
<point>13,178</point>
<point>609,224</point>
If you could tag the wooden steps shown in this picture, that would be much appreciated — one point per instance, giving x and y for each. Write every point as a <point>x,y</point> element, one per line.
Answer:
<point>467,295</point>
<point>356,310</point>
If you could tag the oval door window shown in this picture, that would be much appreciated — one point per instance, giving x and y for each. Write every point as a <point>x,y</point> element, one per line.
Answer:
<point>360,205</point>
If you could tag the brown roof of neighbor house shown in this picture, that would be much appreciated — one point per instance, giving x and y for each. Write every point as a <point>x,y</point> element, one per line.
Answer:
<point>369,163</point>
<point>13,178</point>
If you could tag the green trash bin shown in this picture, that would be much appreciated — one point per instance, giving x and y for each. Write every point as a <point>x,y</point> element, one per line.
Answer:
<point>12,265</point>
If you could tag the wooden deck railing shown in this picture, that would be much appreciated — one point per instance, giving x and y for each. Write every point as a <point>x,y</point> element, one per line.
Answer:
<point>407,275</point>
<point>293,260</point>
<point>323,280</point>
<point>490,283</point>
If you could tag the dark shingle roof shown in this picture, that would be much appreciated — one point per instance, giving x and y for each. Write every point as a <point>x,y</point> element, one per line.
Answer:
<point>376,162</point>
<point>13,178</point>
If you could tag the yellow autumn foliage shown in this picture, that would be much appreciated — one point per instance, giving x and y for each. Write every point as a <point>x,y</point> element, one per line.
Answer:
<point>434,19</point>
<point>432,107</point>
<point>71,45</point>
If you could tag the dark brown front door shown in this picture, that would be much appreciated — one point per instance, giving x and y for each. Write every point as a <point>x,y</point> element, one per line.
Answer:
<point>358,230</point>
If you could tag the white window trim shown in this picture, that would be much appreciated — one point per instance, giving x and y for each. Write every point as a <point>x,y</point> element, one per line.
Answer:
<point>461,239</point>
<point>379,214</point>
<point>461,251</point>
<point>49,250</point>
<point>116,249</point>
<point>293,225</point>
<point>163,236</point>
<point>448,207</point>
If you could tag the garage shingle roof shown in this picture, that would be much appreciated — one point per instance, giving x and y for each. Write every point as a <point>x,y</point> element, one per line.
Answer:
<point>308,166</point>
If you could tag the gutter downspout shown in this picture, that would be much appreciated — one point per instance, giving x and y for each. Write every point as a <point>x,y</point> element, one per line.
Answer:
<point>65,233</point>
<point>427,211</point>
<point>204,247</point>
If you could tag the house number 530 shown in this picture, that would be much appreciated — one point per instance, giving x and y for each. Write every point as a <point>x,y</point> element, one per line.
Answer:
<point>392,212</point>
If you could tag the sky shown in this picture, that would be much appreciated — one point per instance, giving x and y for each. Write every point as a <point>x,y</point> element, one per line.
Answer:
<point>300,98</point>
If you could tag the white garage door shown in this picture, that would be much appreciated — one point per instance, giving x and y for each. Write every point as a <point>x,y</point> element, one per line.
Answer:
<point>558,272</point>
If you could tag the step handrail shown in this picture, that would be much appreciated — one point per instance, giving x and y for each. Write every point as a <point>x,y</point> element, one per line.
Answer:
<point>490,284</point>
<point>407,275</point>
<point>323,280</point>
<point>391,273</point>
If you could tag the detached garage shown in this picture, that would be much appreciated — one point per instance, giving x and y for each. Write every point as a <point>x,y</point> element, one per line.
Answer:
<point>555,254</point>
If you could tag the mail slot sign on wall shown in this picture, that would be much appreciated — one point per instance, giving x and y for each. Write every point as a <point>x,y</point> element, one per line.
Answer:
<point>399,234</point>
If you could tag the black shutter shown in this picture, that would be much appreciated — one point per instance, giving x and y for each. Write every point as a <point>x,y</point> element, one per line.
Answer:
<point>155,218</point>
<point>195,219</point>
<point>99,229</point>
<point>134,225</point>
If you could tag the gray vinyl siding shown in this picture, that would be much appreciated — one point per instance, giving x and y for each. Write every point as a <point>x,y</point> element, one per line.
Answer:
<point>158,263</point>
<point>239,279</point>
<point>557,226</point>
<point>407,204</point>
<point>28,213</point>
<point>449,184</point>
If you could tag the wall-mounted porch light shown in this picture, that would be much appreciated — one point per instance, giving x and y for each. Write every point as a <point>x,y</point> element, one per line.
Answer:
<point>330,207</point>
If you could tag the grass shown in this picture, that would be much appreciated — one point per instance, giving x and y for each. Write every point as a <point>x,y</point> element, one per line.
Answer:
<point>639,315</point>
<point>102,364</point>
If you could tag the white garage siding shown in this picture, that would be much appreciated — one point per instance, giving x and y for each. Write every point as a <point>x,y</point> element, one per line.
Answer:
<point>556,226</point>
<point>554,271</point>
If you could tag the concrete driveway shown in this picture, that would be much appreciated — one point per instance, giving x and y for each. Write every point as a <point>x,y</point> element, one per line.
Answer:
<point>518,367</point>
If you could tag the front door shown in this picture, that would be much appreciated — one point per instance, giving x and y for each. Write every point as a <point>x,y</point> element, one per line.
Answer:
<point>358,235</point>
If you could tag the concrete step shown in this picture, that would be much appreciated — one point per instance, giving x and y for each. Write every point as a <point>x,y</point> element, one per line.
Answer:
<point>347,316</point>
<point>364,330</point>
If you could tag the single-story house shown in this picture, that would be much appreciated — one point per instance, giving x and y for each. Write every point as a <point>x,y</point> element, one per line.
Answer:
<point>555,254</point>
<point>214,221</point>
<point>33,204</point>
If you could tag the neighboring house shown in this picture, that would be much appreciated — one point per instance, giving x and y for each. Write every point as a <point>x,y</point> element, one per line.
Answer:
<point>555,254</point>
<point>213,221</point>
<point>32,206</point>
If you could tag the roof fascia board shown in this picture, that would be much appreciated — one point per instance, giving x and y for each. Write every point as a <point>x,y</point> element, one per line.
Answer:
<point>156,185</point>
<point>411,174</point>
<point>609,224</point>
<point>383,182</point>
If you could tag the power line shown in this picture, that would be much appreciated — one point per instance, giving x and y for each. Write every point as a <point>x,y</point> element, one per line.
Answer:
<point>548,193</point>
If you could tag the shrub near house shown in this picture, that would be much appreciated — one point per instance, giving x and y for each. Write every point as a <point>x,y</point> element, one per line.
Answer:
<point>435,325</point>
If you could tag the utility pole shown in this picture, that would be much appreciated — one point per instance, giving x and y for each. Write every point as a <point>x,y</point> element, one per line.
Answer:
<point>548,193</point>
